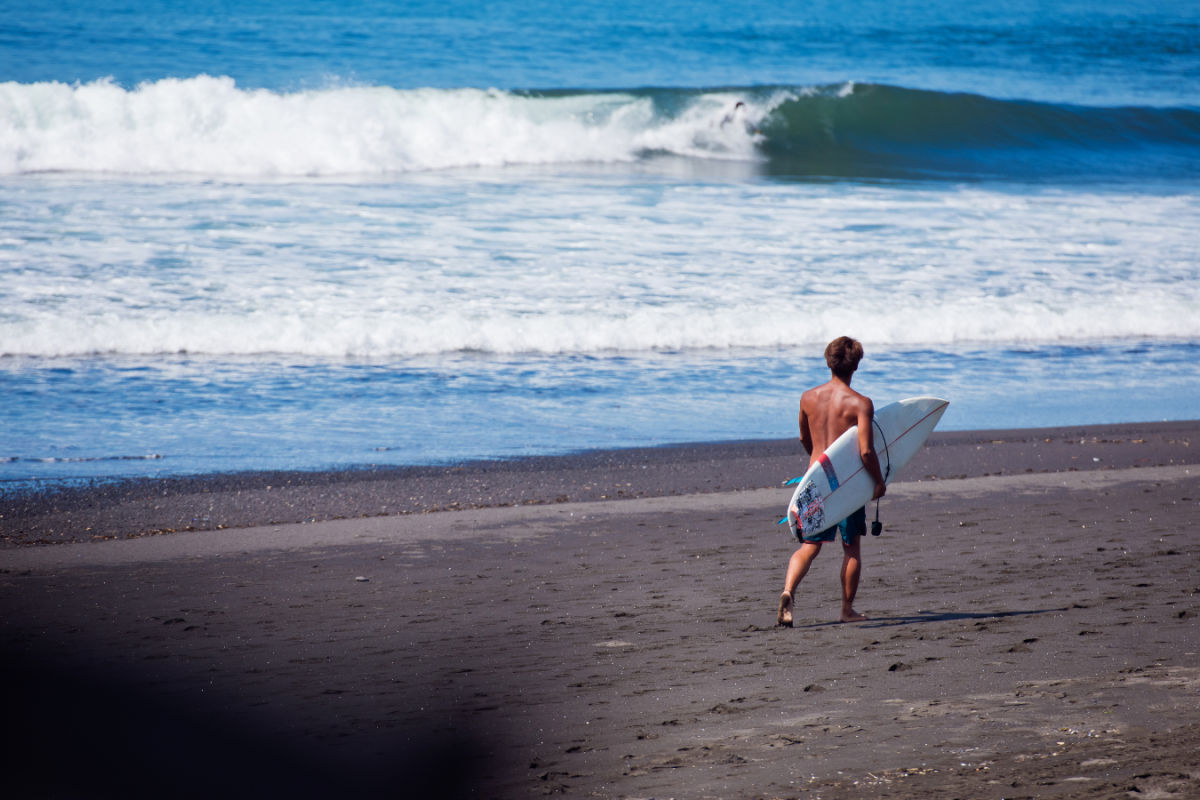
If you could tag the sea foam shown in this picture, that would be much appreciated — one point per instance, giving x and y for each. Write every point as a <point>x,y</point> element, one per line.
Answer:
<point>208,125</point>
<point>344,328</point>
<point>432,264</point>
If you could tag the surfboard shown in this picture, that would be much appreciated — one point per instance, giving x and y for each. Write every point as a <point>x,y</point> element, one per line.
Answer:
<point>838,484</point>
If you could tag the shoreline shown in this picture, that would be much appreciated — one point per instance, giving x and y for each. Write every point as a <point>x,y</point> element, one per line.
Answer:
<point>130,508</point>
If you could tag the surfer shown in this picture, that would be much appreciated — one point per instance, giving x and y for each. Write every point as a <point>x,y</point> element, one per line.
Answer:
<point>826,412</point>
<point>739,112</point>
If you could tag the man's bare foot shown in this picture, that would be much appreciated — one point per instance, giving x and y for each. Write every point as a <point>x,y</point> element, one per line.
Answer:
<point>784,617</point>
<point>853,616</point>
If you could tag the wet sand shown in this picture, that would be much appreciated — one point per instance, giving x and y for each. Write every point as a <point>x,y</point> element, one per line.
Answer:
<point>601,625</point>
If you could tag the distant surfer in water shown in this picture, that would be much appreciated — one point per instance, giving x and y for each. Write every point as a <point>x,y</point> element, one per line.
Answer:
<point>826,412</point>
<point>739,112</point>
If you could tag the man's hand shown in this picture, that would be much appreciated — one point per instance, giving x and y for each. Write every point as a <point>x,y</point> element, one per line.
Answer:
<point>880,490</point>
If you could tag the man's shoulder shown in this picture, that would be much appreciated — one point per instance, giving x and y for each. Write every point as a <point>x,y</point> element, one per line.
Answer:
<point>863,403</point>
<point>849,401</point>
<point>860,397</point>
<point>834,394</point>
<point>818,397</point>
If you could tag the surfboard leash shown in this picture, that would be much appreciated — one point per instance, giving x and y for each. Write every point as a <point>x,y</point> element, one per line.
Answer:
<point>877,526</point>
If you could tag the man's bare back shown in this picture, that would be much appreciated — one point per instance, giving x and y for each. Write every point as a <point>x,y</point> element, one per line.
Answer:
<point>829,410</point>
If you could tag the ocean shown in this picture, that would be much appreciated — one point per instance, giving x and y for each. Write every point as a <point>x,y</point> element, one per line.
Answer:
<point>307,235</point>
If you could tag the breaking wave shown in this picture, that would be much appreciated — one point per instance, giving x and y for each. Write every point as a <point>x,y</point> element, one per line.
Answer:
<point>209,126</point>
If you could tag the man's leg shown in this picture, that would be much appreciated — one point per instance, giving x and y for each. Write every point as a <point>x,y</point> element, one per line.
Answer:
<point>851,570</point>
<point>798,566</point>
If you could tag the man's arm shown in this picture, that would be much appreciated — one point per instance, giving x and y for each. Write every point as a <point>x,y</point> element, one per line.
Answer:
<point>805,433</point>
<point>866,447</point>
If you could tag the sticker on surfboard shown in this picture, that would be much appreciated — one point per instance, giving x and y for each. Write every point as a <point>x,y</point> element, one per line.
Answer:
<point>806,512</point>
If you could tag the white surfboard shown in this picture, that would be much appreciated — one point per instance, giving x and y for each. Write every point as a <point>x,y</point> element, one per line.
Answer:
<point>837,484</point>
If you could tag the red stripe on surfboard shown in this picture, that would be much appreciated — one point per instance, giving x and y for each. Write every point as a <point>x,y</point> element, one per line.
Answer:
<point>830,473</point>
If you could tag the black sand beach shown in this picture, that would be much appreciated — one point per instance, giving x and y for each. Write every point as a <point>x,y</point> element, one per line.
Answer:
<point>601,625</point>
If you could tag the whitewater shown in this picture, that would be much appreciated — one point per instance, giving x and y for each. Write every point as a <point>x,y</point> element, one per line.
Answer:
<point>207,125</point>
<point>586,265</point>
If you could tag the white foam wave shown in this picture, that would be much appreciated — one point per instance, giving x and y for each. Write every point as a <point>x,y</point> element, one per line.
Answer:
<point>80,459</point>
<point>207,125</point>
<point>323,334</point>
<point>436,264</point>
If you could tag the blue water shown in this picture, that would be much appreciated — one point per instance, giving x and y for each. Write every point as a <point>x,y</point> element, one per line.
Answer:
<point>296,235</point>
<point>1108,53</point>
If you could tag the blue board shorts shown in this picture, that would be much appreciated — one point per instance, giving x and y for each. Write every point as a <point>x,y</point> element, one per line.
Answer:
<point>850,528</point>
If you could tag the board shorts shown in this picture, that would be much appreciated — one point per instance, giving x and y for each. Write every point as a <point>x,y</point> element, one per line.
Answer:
<point>850,528</point>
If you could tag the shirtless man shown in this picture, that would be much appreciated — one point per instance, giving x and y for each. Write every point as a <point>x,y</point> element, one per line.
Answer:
<point>826,412</point>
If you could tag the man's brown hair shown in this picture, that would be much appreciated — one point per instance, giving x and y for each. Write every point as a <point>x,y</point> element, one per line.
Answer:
<point>842,355</point>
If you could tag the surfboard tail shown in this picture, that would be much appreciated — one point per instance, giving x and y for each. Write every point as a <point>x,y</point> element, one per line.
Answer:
<point>793,519</point>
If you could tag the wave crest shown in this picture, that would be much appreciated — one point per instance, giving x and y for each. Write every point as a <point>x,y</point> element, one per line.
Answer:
<point>209,126</point>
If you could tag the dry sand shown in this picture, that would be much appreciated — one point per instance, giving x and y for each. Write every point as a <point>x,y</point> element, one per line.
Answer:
<point>1032,634</point>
